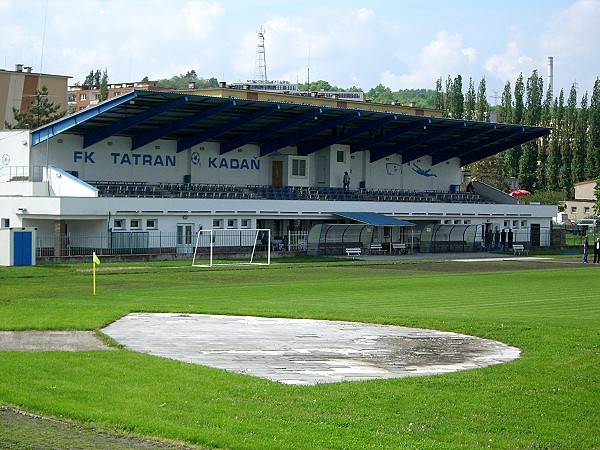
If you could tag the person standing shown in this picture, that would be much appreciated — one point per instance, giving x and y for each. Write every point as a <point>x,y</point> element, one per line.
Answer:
<point>346,181</point>
<point>597,251</point>
<point>586,247</point>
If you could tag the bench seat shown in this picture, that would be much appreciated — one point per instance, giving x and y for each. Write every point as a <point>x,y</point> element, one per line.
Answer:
<point>519,249</point>
<point>353,251</point>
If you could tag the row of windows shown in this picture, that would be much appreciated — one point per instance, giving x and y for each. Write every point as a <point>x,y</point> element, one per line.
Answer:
<point>507,223</point>
<point>232,223</point>
<point>93,96</point>
<point>586,209</point>
<point>135,224</point>
<point>152,224</point>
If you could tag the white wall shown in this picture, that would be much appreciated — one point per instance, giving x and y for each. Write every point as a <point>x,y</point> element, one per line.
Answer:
<point>14,148</point>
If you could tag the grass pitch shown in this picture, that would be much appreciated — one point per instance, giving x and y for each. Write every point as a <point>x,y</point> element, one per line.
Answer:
<point>547,399</point>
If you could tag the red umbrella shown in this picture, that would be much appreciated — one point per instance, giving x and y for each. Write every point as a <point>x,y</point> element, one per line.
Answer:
<point>519,193</point>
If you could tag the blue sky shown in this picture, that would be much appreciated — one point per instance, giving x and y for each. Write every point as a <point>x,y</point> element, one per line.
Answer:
<point>399,43</point>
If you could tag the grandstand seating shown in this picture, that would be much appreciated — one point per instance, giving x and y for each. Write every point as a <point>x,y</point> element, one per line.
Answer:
<point>228,191</point>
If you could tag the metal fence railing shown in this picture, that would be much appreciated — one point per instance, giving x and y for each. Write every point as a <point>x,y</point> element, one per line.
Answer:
<point>121,243</point>
<point>145,242</point>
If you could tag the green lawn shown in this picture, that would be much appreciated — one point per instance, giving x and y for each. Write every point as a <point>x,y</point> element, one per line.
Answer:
<point>547,399</point>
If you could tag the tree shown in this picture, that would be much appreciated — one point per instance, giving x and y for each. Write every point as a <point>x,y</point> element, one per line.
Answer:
<point>528,161</point>
<point>456,99</point>
<point>483,107</point>
<point>513,155</point>
<point>489,171</point>
<point>470,98</point>
<point>179,82</point>
<point>566,180</point>
<point>506,107</point>
<point>39,113</point>
<point>578,166</point>
<point>593,153</point>
<point>380,94</point>
<point>597,195</point>
<point>440,100</point>
<point>104,86</point>
<point>93,78</point>
<point>545,146</point>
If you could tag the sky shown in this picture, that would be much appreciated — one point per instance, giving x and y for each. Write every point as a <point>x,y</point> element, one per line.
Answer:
<point>402,44</point>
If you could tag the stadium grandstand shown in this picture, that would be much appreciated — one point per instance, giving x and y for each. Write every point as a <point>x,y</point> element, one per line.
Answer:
<point>143,172</point>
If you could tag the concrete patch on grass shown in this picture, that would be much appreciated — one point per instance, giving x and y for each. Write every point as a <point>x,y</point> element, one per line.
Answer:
<point>42,341</point>
<point>303,351</point>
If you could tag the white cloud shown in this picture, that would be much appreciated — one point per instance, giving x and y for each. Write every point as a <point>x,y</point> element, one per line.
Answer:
<point>200,18</point>
<point>573,39</point>
<point>506,66</point>
<point>443,56</point>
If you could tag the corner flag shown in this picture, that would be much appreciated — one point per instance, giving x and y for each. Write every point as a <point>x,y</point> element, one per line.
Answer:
<point>95,262</point>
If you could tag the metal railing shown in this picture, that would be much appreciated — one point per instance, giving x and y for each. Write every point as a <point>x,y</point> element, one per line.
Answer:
<point>144,243</point>
<point>23,173</point>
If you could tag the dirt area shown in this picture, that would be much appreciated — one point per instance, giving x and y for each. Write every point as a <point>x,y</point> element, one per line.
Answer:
<point>20,430</point>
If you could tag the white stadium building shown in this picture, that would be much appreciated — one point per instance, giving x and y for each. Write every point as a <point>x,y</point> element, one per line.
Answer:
<point>145,171</point>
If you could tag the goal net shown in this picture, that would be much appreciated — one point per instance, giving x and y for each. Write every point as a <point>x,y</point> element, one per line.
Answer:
<point>232,248</point>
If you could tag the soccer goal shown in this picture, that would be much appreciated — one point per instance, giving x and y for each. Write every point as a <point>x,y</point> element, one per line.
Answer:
<point>247,247</point>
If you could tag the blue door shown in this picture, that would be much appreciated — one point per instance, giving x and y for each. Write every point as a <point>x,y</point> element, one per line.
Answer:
<point>22,248</point>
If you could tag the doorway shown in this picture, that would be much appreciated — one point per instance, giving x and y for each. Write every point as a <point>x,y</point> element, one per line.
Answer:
<point>277,173</point>
<point>185,238</point>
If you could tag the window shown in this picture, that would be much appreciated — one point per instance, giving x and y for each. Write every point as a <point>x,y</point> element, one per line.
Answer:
<point>245,223</point>
<point>5,223</point>
<point>217,223</point>
<point>586,209</point>
<point>447,222</point>
<point>515,223</point>
<point>574,209</point>
<point>118,223</point>
<point>134,223</point>
<point>506,224</point>
<point>467,221</point>
<point>82,96</point>
<point>457,222</point>
<point>298,167</point>
<point>523,223</point>
<point>72,97</point>
<point>151,224</point>
<point>341,156</point>
<point>231,223</point>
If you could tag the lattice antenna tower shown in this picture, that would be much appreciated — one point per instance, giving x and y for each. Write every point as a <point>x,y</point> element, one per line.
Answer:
<point>260,70</point>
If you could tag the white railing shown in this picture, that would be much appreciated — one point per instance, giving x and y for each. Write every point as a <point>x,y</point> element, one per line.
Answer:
<point>297,241</point>
<point>23,174</point>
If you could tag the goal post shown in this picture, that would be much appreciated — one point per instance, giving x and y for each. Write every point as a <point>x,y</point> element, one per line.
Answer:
<point>239,247</point>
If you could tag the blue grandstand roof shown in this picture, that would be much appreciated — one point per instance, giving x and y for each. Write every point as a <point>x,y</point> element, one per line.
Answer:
<point>190,119</point>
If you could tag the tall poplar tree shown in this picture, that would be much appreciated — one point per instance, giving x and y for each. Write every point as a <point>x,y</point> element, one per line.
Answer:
<point>545,146</point>
<point>513,155</point>
<point>439,100</point>
<point>528,162</point>
<point>506,107</point>
<point>593,152</point>
<point>104,86</point>
<point>483,107</point>
<point>578,167</point>
<point>456,99</point>
<point>470,100</point>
